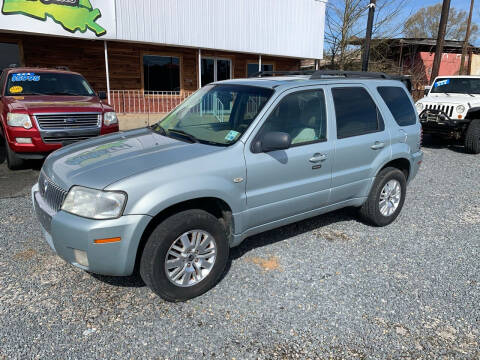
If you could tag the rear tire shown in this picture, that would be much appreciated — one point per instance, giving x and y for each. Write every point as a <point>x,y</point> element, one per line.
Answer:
<point>203,272</point>
<point>386,197</point>
<point>13,161</point>
<point>472,138</point>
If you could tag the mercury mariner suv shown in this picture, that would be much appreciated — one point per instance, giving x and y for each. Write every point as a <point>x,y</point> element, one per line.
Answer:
<point>43,109</point>
<point>237,158</point>
<point>451,110</point>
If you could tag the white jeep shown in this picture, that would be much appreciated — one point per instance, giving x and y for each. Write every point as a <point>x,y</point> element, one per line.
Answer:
<point>451,110</point>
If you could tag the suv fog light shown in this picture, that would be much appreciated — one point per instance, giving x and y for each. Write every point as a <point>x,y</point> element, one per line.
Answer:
<point>23,140</point>
<point>80,257</point>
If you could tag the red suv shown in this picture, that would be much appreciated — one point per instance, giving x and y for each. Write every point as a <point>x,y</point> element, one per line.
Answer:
<point>43,109</point>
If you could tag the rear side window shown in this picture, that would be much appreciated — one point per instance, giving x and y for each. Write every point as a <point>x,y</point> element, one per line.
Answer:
<point>399,104</point>
<point>356,112</point>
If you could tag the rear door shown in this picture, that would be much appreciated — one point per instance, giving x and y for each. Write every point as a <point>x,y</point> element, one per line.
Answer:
<point>362,141</point>
<point>403,113</point>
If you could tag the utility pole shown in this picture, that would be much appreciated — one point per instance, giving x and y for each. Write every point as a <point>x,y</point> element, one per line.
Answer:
<point>440,39</point>
<point>368,35</point>
<point>467,36</point>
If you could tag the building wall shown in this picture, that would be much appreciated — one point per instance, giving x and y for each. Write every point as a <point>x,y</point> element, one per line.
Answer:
<point>475,70</point>
<point>125,59</point>
<point>275,27</point>
<point>450,64</point>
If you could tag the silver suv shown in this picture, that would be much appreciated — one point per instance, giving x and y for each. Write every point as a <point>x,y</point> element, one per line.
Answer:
<point>237,158</point>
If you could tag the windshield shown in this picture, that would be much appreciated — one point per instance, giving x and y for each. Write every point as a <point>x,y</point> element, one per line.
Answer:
<point>215,114</point>
<point>457,86</point>
<point>47,83</point>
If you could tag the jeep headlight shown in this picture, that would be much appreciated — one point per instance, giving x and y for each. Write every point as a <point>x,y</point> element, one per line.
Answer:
<point>419,107</point>
<point>94,204</point>
<point>460,109</point>
<point>19,120</point>
<point>110,118</point>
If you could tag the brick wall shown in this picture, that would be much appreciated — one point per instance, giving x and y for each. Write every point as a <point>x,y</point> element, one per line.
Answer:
<point>125,59</point>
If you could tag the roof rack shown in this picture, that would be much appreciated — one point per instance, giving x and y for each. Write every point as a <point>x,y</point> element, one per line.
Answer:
<point>321,74</point>
<point>274,73</point>
<point>62,67</point>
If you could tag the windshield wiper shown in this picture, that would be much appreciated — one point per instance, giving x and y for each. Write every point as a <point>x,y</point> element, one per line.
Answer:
<point>185,134</point>
<point>158,128</point>
<point>63,93</point>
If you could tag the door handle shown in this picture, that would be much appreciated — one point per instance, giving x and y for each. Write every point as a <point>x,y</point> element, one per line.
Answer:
<point>318,157</point>
<point>378,145</point>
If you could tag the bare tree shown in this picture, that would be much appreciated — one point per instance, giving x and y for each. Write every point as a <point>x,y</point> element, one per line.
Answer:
<point>424,24</point>
<point>345,21</point>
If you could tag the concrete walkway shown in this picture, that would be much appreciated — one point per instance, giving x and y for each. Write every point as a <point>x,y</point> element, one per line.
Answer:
<point>134,121</point>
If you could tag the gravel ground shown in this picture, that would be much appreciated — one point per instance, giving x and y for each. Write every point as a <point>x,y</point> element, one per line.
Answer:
<point>328,287</point>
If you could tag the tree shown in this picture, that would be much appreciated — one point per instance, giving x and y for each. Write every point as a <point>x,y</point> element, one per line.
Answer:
<point>346,21</point>
<point>424,24</point>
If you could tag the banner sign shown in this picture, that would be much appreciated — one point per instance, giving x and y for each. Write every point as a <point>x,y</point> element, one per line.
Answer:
<point>78,18</point>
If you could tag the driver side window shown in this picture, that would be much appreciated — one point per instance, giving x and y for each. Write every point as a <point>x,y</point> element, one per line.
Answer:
<point>302,115</point>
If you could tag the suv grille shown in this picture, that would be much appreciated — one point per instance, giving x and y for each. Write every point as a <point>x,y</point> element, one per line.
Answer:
<point>68,121</point>
<point>52,193</point>
<point>67,139</point>
<point>447,109</point>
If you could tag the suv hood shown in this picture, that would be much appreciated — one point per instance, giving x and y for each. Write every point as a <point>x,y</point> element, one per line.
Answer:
<point>101,161</point>
<point>452,99</point>
<point>51,103</point>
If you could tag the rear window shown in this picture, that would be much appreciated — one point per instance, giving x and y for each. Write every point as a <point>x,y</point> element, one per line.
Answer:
<point>356,112</point>
<point>399,104</point>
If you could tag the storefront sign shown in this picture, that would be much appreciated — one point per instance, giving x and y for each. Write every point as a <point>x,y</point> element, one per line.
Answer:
<point>78,18</point>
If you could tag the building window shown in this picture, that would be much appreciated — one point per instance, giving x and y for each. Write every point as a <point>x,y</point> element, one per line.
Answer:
<point>252,68</point>
<point>161,73</point>
<point>214,69</point>
<point>10,55</point>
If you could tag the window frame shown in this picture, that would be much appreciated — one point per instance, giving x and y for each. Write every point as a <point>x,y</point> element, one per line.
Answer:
<point>388,107</point>
<point>276,104</point>
<point>215,72</point>
<point>380,120</point>
<point>256,63</point>
<point>160,54</point>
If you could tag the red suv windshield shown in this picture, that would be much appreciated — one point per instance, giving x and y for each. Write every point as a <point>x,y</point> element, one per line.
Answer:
<point>47,83</point>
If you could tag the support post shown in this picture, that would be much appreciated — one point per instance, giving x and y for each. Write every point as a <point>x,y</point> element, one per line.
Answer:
<point>467,37</point>
<point>107,73</point>
<point>440,40</point>
<point>368,35</point>
<point>316,64</point>
<point>199,68</point>
<point>259,62</point>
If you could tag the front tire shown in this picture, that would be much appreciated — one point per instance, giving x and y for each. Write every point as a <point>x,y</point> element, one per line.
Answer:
<point>13,161</point>
<point>386,197</point>
<point>185,255</point>
<point>472,138</point>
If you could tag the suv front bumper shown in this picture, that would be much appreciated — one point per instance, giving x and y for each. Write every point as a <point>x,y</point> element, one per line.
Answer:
<point>72,238</point>
<point>437,121</point>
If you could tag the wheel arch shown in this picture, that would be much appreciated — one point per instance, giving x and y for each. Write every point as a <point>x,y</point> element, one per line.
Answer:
<point>401,163</point>
<point>213,205</point>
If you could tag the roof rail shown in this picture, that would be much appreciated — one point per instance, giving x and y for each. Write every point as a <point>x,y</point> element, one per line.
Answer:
<point>274,73</point>
<point>320,74</point>
<point>62,68</point>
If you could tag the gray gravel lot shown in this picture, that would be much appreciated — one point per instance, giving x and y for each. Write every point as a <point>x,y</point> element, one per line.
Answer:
<point>329,287</point>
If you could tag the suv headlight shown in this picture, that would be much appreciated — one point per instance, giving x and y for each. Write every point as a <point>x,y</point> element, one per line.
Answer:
<point>110,118</point>
<point>94,204</point>
<point>19,120</point>
<point>419,106</point>
<point>460,109</point>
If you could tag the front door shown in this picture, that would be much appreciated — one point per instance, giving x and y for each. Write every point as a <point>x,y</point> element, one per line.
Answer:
<point>362,142</point>
<point>289,182</point>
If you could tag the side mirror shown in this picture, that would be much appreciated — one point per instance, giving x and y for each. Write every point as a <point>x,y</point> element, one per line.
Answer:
<point>102,95</point>
<point>272,141</point>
